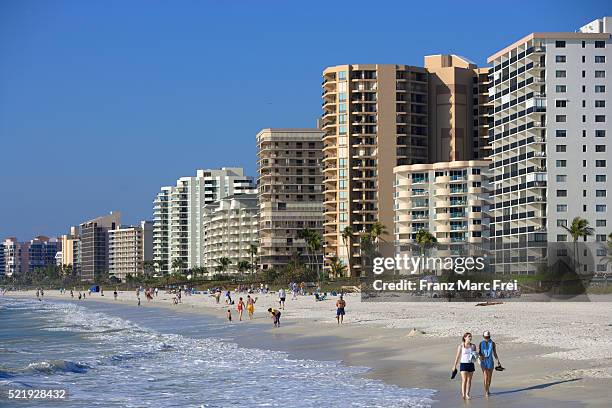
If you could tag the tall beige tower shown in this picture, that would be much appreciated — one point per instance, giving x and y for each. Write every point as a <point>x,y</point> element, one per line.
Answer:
<point>458,109</point>
<point>374,118</point>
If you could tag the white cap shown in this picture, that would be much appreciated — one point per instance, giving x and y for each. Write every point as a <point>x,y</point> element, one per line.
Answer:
<point>486,334</point>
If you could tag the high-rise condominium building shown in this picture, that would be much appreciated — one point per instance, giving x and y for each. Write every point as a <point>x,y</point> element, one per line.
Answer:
<point>177,224</point>
<point>550,142</point>
<point>94,245</point>
<point>450,200</point>
<point>290,193</point>
<point>2,261</point>
<point>41,252</point>
<point>458,109</point>
<point>374,118</point>
<point>230,229</point>
<point>129,247</point>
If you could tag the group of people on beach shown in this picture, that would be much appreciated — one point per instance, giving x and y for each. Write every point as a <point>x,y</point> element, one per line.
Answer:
<point>467,356</point>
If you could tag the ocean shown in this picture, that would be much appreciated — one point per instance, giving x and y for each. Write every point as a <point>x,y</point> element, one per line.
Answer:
<point>122,356</point>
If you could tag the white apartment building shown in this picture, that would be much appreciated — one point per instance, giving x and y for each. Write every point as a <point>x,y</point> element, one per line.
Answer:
<point>550,143</point>
<point>450,200</point>
<point>128,248</point>
<point>178,211</point>
<point>230,227</point>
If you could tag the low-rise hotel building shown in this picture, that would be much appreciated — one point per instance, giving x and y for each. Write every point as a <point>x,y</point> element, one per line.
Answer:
<point>450,200</point>
<point>129,247</point>
<point>230,230</point>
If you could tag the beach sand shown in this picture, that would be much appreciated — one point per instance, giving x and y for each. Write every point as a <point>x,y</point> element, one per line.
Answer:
<point>556,354</point>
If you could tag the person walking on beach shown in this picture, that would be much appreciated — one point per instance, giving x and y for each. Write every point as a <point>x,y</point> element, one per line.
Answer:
<point>240,308</point>
<point>487,352</point>
<point>42,293</point>
<point>281,298</point>
<point>340,305</point>
<point>276,315</point>
<point>466,357</point>
<point>250,306</point>
<point>115,294</point>
<point>229,315</point>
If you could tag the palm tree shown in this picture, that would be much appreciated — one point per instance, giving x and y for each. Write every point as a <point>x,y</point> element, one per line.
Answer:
<point>148,267</point>
<point>347,238</point>
<point>223,262</point>
<point>336,266</point>
<point>425,239</point>
<point>315,243</point>
<point>178,265</point>
<point>243,266</point>
<point>306,234</point>
<point>252,253</point>
<point>578,228</point>
<point>377,231</point>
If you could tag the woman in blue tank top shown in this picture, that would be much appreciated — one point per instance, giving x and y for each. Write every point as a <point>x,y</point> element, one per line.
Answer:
<point>487,352</point>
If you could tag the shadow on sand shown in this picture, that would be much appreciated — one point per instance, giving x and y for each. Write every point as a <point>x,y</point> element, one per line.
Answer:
<point>536,387</point>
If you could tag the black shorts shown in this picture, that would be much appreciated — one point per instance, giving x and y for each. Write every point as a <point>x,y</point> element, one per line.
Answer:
<point>282,299</point>
<point>469,367</point>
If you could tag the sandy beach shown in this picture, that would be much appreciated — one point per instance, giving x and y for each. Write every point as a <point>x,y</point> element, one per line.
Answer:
<point>556,354</point>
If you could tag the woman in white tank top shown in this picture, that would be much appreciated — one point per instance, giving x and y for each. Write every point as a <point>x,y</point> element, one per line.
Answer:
<point>466,355</point>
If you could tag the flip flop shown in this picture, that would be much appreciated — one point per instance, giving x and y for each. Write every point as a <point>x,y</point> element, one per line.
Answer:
<point>499,368</point>
<point>453,373</point>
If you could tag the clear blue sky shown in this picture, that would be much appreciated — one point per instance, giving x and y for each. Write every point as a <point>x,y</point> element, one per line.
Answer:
<point>103,102</point>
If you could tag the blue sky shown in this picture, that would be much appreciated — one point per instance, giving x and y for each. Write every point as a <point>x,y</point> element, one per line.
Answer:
<point>103,102</point>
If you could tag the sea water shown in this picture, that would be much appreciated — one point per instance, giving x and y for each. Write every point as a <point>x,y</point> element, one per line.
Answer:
<point>117,356</point>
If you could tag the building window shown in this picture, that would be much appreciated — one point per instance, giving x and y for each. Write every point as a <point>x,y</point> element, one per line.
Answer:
<point>600,238</point>
<point>600,133</point>
<point>560,88</point>
<point>561,163</point>
<point>561,133</point>
<point>560,44</point>
<point>561,148</point>
<point>600,44</point>
<point>561,103</point>
<point>600,163</point>
<point>560,73</point>
<point>600,148</point>
<point>600,178</point>
<point>560,58</point>
<point>600,59</point>
<point>600,74</point>
<point>600,193</point>
<point>561,238</point>
<point>600,88</point>
<point>561,193</point>
<point>561,223</point>
<point>600,104</point>
<point>600,223</point>
<point>602,267</point>
<point>561,208</point>
<point>561,178</point>
<point>342,75</point>
<point>561,118</point>
<point>600,208</point>
<point>600,118</point>
<point>342,108</point>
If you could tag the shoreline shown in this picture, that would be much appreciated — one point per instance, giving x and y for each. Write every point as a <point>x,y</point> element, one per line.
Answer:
<point>402,357</point>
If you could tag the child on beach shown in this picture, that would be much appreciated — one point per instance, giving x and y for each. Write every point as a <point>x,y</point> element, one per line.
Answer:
<point>466,356</point>
<point>276,315</point>
<point>229,315</point>
<point>240,308</point>
<point>251,306</point>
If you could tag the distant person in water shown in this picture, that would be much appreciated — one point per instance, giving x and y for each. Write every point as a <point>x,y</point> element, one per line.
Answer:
<point>340,305</point>
<point>42,293</point>
<point>487,352</point>
<point>229,315</point>
<point>71,293</point>
<point>101,291</point>
<point>250,306</point>
<point>80,296</point>
<point>465,357</point>
<point>240,308</point>
<point>281,298</point>
<point>38,294</point>
<point>276,315</point>
<point>115,294</point>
